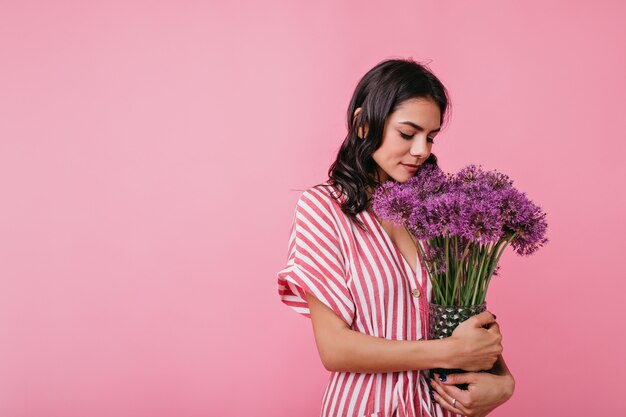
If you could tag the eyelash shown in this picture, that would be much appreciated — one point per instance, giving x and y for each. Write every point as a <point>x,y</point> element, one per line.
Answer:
<point>429,139</point>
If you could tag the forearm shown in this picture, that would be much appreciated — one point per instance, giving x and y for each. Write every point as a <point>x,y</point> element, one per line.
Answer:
<point>502,370</point>
<point>353,351</point>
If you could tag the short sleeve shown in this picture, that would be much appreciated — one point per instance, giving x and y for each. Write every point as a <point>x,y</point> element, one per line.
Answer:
<point>315,261</point>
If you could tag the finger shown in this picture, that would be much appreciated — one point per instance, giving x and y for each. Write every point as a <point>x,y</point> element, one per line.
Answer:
<point>462,396</point>
<point>483,318</point>
<point>439,389</point>
<point>460,378</point>
<point>494,328</point>
<point>449,386</point>
<point>458,409</point>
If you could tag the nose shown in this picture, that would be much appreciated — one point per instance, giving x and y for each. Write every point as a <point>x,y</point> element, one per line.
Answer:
<point>419,147</point>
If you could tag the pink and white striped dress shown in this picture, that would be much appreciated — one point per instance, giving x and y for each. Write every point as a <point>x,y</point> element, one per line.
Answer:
<point>365,280</point>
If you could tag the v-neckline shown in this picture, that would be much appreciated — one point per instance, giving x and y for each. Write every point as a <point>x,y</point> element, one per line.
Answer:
<point>382,230</point>
<point>390,242</point>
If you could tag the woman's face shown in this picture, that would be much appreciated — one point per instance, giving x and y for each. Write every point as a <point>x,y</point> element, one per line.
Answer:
<point>407,139</point>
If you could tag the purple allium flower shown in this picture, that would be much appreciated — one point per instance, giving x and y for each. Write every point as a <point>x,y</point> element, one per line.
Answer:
<point>398,202</point>
<point>459,212</point>
<point>435,257</point>
<point>482,206</point>
<point>515,209</point>
<point>531,235</point>
<point>393,202</point>
<point>439,210</point>
<point>418,221</point>
<point>429,180</point>
<point>523,217</point>
<point>476,219</point>
<point>474,175</point>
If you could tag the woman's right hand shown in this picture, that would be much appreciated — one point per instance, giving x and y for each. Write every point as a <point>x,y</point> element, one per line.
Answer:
<point>476,348</point>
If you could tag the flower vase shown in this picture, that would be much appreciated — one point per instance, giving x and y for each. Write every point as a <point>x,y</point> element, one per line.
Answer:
<point>442,322</point>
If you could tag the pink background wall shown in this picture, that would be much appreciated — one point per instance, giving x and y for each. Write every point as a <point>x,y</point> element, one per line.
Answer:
<point>150,157</point>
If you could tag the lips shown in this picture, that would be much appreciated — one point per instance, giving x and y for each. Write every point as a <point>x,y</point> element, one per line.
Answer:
<point>411,169</point>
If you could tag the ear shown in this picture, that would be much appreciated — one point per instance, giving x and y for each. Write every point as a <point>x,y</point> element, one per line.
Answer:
<point>360,131</point>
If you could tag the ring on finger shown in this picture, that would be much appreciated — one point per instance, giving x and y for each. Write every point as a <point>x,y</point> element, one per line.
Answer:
<point>445,396</point>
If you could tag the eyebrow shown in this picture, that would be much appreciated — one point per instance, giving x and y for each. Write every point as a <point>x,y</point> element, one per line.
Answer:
<point>418,127</point>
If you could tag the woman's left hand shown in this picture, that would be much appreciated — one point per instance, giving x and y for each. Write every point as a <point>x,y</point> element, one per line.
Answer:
<point>485,392</point>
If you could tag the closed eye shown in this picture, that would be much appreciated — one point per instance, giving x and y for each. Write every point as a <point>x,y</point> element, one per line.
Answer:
<point>409,137</point>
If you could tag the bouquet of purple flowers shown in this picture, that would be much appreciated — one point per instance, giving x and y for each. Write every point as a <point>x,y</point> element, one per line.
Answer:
<point>463,223</point>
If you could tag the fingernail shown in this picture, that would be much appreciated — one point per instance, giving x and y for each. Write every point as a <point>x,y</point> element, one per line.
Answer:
<point>432,394</point>
<point>442,378</point>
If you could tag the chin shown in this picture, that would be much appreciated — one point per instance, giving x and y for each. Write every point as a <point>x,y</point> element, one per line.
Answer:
<point>399,179</point>
<point>404,177</point>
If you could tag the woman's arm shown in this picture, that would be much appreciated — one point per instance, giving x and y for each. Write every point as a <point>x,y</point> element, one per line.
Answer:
<point>508,382</point>
<point>500,368</point>
<point>485,392</point>
<point>343,349</point>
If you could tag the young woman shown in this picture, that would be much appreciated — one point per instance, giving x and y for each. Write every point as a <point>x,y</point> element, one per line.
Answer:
<point>360,280</point>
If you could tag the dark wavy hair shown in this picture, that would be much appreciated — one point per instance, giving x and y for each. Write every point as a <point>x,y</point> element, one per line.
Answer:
<point>381,90</point>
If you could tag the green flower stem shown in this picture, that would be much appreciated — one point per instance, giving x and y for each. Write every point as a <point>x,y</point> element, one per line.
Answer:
<point>468,276</point>
<point>459,267</point>
<point>483,268</point>
<point>472,270</point>
<point>484,251</point>
<point>455,271</point>
<point>488,252</point>
<point>486,273</point>
<point>447,238</point>
<point>493,265</point>
<point>465,278</point>
<point>475,263</point>
<point>429,268</point>
<point>431,274</point>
